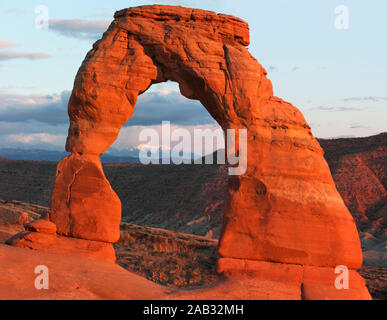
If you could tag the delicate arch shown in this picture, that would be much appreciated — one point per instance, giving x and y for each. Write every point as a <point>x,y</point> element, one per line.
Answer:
<point>285,208</point>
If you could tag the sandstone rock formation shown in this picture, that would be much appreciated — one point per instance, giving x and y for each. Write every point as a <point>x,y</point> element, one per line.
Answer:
<point>284,209</point>
<point>84,205</point>
<point>54,243</point>
<point>74,228</point>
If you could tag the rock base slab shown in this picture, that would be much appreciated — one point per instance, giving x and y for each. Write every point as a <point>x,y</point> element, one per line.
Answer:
<point>42,226</point>
<point>310,283</point>
<point>63,245</point>
<point>319,284</point>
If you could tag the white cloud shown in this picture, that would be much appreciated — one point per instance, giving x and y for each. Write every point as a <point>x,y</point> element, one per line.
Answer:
<point>15,11</point>
<point>79,28</point>
<point>7,44</point>
<point>165,103</point>
<point>365,99</point>
<point>101,15</point>
<point>36,139</point>
<point>48,108</point>
<point>8,55</point>
<point>164,92</point>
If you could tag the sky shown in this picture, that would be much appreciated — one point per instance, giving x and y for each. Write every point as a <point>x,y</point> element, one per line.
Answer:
<point>333,70</point>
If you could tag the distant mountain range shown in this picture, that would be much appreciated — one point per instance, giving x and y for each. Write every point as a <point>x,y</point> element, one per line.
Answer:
<point>126,156</point>
<point>50,155</point>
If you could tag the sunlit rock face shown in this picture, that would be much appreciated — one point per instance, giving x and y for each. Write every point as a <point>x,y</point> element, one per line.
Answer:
<point>284,209</point>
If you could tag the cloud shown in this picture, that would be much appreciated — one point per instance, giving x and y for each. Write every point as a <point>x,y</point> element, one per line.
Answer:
<point>51,109</point>
<point>357,126</point>
<point>365,99</point>
<point>271,68</point>
<point>37,138</point>
<point>295,68</point>
<point>101,15</point>
<point>8,87</point>
<point>11,87</point>
<point>339,109</point>
<point>153,107</point>
<point>32,134</point>
<point>41,121</point>
<point>8,55</point>
<point>7,44</point>
<point>79,28</point>
<point>343,136</point>
<point>15,11</point>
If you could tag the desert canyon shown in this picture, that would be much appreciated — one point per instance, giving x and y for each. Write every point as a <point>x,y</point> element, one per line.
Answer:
<point>285,227</point>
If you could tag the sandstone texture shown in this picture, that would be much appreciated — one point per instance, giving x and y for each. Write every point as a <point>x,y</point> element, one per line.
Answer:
<point>285,208</point>
<point>84,205</point>
<point>318,284</point>
<point>64,245</point>
<point>75,277</point>
<point>41,225</point>
<point>310,283</point>
<point>71,277</point>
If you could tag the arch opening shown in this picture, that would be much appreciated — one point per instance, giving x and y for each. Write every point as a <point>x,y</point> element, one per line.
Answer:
<point>189,198</point>
<point>164,103</point>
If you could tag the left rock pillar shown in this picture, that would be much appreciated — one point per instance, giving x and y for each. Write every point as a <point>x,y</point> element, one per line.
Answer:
<point>83,203</point>
<point>85,213</point>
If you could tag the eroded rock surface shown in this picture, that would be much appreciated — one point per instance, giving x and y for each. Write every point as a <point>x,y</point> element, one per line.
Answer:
<point>84,205</point>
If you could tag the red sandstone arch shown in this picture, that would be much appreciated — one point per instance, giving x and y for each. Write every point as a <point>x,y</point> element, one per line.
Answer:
<point>285,208</point>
